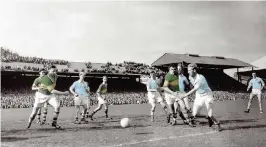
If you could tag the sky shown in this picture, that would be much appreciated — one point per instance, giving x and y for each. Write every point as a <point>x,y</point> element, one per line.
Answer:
<point>142,31</point>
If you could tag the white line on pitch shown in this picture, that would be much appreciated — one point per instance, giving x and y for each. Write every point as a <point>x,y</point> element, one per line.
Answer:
<point>158,139</point>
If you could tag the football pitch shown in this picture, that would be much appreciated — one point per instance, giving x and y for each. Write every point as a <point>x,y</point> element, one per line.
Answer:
<point>239,129</point>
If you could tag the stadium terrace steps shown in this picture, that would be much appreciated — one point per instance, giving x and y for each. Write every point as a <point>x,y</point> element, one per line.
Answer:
<point>76,65</point>
<point>22,64</point>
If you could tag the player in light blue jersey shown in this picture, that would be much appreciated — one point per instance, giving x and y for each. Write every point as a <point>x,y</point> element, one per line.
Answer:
<point>183,82</point>
<point>154,94</point>
<point>257,85</point>
<point>204,95</point>
<point>80,90</point>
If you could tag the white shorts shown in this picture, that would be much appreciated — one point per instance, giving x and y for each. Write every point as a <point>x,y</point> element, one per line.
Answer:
<point>81,100</point>
<point>154,97</point>
<point>202,99</point>
<point>170,99</point>
<point>41,99</point>
<point>256,92</point>
<point>101,100</point>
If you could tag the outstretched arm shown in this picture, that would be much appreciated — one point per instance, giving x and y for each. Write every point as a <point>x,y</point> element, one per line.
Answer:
<point>60,92</point>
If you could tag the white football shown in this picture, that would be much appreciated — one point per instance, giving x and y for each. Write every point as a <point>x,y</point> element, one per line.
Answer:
<point>124,122</point>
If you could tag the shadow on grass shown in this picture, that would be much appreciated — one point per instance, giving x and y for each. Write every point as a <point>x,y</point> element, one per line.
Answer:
<point>144,133</point>
<point>244,127</point>
<point>231,121</point>
<point>68,129</point>
<point>237,121</point>
<point>13,139</point>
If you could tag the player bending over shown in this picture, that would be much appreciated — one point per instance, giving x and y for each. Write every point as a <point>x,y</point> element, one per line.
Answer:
<point>204,95</point>
<point>46,93</point>
<point>154,95</point>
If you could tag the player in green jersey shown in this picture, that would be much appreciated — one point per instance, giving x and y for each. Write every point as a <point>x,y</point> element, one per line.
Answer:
<point>46,93</point>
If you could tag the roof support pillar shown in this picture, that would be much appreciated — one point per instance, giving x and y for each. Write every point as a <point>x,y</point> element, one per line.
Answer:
<point>237,75</point>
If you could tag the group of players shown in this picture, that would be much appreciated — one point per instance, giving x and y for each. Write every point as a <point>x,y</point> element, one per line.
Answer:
<point>177,99</point>
<point>173,87</point>
<point>46,94</point>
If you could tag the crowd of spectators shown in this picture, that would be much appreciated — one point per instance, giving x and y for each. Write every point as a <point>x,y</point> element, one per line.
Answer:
<point>9,56</point>
<point>29,68</point>
<point>140,68</point>
<point>122,68</point>
<point>24,98</point>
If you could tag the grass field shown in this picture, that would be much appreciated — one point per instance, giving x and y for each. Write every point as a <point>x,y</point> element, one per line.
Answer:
<point>239,129</point>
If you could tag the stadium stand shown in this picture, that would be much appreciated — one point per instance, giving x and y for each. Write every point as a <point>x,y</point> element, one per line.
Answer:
<point>14,62</point>
<point>210,66</point>
<point>124,79</point>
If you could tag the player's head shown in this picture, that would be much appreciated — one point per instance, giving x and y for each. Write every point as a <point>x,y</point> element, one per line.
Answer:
<point>254,75</point>
<point>42,72</point>
<point>180,68</point>
<point>52,69</point>
<point>82,75</point>
<point>192,69</point>
<point>104,79</point>
<point>172,70</point>
<point>152,75</point>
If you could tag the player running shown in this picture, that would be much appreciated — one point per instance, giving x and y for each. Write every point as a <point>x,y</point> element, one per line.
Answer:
<point>46,93</point>
<point>204,95</point>
<point>172,97</point>
<point>257,85</point>
<point>154,95</point>
<point>80,90</point>
<point>101,95</point>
